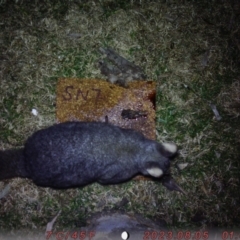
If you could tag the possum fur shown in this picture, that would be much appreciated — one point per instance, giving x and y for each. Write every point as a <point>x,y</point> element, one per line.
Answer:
<point>74,154</point>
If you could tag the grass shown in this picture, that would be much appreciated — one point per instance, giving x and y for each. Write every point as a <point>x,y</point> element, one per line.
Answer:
<point>168,40</point>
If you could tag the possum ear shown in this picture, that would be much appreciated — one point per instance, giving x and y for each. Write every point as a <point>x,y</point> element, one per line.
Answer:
<point>153,169</point>
<point>168,149</point>
<point>155,172</point>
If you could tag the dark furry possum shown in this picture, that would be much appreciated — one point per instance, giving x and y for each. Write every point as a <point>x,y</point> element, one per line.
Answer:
<point>74,154</point>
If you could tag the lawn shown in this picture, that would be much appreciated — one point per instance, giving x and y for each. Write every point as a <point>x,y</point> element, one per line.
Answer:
<point>190,48</point>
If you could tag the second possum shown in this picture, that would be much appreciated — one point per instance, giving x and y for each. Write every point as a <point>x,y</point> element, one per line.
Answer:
<point>75,154</point>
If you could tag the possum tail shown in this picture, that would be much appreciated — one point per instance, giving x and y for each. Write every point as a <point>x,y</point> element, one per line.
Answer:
<point>12,164</point>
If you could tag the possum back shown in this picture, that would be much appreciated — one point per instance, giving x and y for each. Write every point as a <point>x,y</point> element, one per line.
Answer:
<point>75,154</point>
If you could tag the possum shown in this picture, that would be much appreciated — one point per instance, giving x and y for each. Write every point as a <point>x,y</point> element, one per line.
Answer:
<point>74,154</point>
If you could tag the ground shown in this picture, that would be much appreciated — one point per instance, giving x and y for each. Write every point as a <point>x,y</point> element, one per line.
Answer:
<point>190,48</point>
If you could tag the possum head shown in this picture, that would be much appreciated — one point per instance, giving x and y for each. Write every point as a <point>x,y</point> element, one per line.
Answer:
<point>157,162</point>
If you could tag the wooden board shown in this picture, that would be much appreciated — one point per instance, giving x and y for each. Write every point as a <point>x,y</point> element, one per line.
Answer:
<point>94,99</point>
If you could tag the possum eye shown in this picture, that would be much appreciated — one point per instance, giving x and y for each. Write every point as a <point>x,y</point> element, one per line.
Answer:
<point>168,149</point>
<point>155,172</point>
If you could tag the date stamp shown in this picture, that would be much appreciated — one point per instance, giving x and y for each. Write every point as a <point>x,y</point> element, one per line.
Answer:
<point>180,235</point>
<point>191,235</point>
